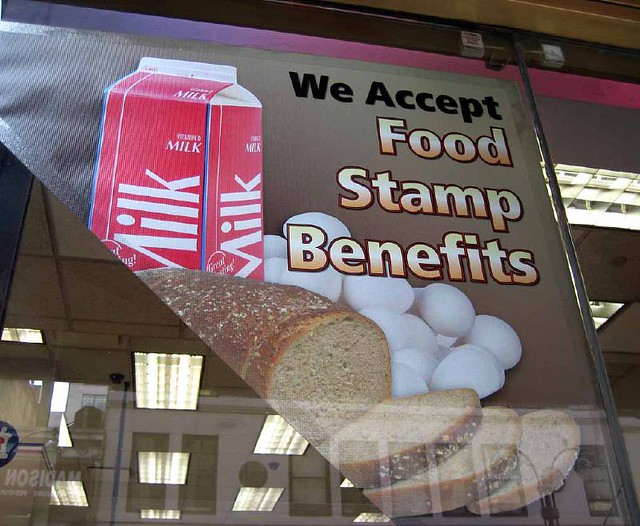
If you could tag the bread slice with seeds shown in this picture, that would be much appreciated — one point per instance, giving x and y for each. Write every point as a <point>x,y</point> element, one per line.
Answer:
<point>548,450</point>
<point>399,437</point>
<point>459,479</point>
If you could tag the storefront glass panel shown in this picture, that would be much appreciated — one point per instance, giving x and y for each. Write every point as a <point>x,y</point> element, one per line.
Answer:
<point>590,128</point>
<point>425,169</point>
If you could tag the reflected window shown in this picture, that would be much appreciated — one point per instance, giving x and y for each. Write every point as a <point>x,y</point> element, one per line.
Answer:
<point>309,485</point>
<point>140,495</point>
<point>199,496</point>
<point>592,468</point>
<point>97,401</point>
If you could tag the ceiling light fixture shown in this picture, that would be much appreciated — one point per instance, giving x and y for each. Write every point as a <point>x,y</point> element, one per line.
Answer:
<point>167,381</point>
<point>598,197</point>
<point>346,483</point>
<point>68,493</point>
<point>64,438</point>
<point>603,310</point>
<point>279,438</point>
<point>160,514</point>
<point>59,397</point>
<point>371,517</point>
<point>257,499</point>
<point>162,468</point>
<point>22,335</point>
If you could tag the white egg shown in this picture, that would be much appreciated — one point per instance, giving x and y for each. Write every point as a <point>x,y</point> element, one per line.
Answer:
<point>446,341</point>
<point>333,227</point>
<point>446,309</point>
<point>274,269</point>
<point>275,247</point>
<point>327,282</point>
<point>421,361</point>
<point>392,324</point>
<point>469,366</point>
<point>420,334</point>
<point>498,337</point>
<point>362,292</point>
<point>405,381</point>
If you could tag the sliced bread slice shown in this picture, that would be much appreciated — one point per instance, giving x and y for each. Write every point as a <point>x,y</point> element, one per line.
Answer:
<point>548,450</point>
<point>490,455</point>
<point>399,437</point>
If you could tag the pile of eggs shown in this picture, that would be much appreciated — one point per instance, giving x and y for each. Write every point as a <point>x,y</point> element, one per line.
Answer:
<point>436,339</point>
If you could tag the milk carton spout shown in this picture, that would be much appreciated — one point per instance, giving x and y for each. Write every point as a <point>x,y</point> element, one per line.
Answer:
<point>196,70</point>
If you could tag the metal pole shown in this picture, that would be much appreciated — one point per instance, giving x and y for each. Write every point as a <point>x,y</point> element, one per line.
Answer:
<point>118,466</point>
<point>581,293</point>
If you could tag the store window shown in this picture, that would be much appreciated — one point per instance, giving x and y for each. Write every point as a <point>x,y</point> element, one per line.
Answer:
<point>590,127</point>
<point>331,286</point>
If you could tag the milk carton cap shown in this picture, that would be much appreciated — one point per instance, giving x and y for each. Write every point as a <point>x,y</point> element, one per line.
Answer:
<point>183,68</point>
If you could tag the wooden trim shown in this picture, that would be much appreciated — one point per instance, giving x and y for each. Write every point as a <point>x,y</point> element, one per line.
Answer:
<point>612,22</point>
<point>607,22</point>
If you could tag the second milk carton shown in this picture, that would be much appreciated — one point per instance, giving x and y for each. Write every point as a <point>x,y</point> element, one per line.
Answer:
<point>178,180</point>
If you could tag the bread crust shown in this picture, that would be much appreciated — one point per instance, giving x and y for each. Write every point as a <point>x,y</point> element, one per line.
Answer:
<point>436,496</point>
<point>417,456</point>
<point>239,319</point>
<point>548,481</point>
<point>433,495</point>
<point>249,323</point>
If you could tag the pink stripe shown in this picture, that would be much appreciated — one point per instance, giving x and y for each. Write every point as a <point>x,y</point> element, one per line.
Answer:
<point>585,89</point>
<point>545,83</point>
<point>327,47</point>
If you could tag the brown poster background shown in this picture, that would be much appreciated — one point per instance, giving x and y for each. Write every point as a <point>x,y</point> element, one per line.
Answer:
<point>52,86</point>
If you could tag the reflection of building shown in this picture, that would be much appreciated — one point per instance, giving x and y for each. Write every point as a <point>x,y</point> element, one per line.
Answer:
<point>222,461</point>
<point>199,465</point>
<point>202,466</point>
<point>219,440</point>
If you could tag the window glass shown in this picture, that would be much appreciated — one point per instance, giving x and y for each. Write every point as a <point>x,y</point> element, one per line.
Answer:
<point>337,264</point>
<point>589,127</point>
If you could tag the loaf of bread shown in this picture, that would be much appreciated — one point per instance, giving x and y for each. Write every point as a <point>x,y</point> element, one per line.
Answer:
<point>316,362</point>
<point>400,437</point>
<point>548,450</point>
<point>490,456</point>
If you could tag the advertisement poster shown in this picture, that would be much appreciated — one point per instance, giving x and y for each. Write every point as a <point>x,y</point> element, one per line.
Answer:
<point>370,247</point>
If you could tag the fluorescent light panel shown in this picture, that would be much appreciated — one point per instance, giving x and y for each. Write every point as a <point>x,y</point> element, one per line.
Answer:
<point>598,197</point>
<point>59,397</point>
<point>167,381</point>
<point>64,438</point>
<point>160,514</point>
<point>257,499</point>
<point>162,468</point>
<point>598,322</point>
<point>22,335</point>
<point>279,438</point>
<point>603,310</point>
<point>371,517</point>
<point>68,493</point>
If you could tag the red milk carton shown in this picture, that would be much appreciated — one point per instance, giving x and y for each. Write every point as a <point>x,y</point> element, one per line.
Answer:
<point>178,180</point>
